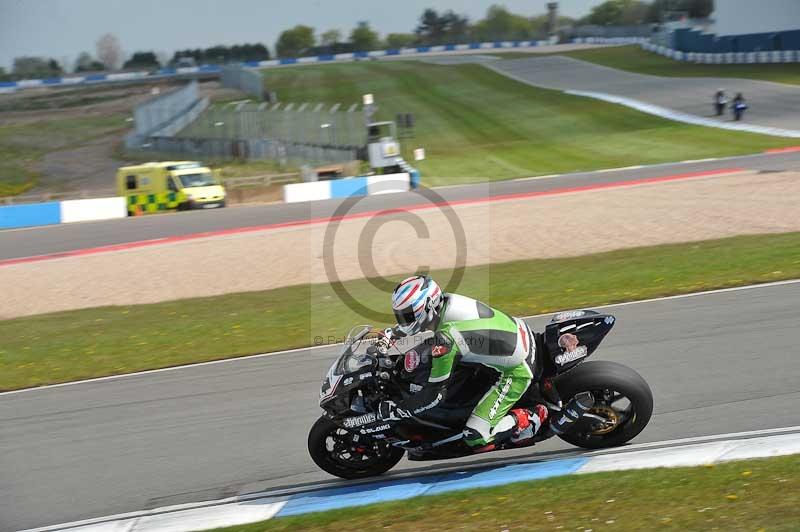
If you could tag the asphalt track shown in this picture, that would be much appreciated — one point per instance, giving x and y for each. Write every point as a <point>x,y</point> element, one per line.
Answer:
<point>771,104</point>
<point>15,244</point>
<point>719,362</point>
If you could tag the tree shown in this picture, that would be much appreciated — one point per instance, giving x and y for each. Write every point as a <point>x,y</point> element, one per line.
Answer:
<point>109,51</point>
<point>142,60</point>
<point>219,54</point>
<point>446,28</point>
<point>456,27</point>
<point>330,38</point>
<point>87,63</point>
<point>694,8</point>
<point>619,12</point>
<point>36,67</point>
<point>500,24</point>
<point>295,41</point>
<point>363,38</point>
<point>400,40</point>
<point>432,27</point>
<point>4,76</point>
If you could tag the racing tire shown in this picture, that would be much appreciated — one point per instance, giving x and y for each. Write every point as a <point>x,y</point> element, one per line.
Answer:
<point>384,457</point>
<point>600,375</point>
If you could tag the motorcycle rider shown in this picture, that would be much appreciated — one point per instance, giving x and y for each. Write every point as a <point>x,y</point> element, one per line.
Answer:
<point>466,330</point>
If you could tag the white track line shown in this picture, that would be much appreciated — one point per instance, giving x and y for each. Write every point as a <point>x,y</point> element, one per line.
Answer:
<point>291,351</point>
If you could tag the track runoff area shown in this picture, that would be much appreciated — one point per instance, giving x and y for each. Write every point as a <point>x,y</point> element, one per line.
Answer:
<point>326,495</point>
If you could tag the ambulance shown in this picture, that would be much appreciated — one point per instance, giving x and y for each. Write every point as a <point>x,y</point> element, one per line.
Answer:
<point>170,185</point>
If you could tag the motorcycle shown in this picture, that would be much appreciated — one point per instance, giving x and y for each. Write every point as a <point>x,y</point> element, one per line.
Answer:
<point>593,405</point>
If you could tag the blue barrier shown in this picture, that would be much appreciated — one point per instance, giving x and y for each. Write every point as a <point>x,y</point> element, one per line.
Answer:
<point>16,216</point>
<point>344,188</point>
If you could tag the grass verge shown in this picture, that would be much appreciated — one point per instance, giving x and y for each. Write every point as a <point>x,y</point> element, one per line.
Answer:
<point>477,125</point>
<point>24,144</point>
<point>81,344</point>
<point>634,59</point>
<point>750,495</point>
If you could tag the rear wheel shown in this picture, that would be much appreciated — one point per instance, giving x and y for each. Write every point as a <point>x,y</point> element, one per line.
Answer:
<point>347,455</point>
<point>623,403</point>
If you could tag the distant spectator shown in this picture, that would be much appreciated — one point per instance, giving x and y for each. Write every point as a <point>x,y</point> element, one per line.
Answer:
<point>719,101</point>
<point>738,106</point>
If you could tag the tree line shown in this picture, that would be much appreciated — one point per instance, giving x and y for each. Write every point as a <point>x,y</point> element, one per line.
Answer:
<point>433,28</point>
<point>499,24</point>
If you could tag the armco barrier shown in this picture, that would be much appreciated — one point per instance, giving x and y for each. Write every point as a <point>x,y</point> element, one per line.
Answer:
<point>347,187</point>
<point>61,212</point>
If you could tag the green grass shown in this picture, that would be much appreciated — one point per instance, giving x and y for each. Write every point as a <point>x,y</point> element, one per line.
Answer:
<point>81,344</point>
<point>634,59</point>
<point>23,145</point>
<point>750,495</point>
<point>477,125</point>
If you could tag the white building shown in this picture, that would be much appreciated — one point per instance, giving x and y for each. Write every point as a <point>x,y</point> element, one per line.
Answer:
<point>738,17</point>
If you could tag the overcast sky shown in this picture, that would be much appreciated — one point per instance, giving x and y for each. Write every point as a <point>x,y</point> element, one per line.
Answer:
<point>64,28</point>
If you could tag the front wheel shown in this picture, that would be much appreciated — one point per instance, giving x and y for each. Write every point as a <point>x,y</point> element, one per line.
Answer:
<point>623,399</point>
<point>346,455</point>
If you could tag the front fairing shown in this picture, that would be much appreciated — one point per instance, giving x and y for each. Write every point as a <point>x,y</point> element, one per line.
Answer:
<point>352,370</point>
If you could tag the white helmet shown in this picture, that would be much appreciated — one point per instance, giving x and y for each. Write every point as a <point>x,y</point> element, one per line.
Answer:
<point>416,302</point>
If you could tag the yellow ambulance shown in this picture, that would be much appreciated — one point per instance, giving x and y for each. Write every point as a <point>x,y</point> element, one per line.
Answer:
<point>169,185</point>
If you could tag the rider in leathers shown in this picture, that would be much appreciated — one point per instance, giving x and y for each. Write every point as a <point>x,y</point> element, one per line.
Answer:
<point>466,330</point>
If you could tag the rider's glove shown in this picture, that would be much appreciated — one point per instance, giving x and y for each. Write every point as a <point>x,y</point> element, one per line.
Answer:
<point>389,411</point>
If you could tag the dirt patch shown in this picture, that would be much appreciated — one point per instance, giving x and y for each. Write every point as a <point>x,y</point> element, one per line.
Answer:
<point>555,226</point>
<point>89,166</point>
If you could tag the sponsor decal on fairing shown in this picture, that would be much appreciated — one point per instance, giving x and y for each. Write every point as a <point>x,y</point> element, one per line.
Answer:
<point>372,430</point>
<point>568,315</point>
<point>566,358</point>
<point>360,420</point>
<point>429,405</point>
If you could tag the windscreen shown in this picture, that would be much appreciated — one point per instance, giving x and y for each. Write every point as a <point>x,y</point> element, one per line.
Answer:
<point>202,179</point>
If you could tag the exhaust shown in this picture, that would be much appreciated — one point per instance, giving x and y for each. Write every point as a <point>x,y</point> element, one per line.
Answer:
<point>572,412</point>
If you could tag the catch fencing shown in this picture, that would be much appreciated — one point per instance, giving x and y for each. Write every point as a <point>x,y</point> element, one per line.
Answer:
<point>289,134</point>
<point>318,124</point>
<point>248,81</point>
<point>166,114</point>
<point>283,152</point>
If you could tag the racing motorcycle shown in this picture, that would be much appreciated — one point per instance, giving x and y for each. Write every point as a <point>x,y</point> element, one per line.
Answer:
<point>593,404</point>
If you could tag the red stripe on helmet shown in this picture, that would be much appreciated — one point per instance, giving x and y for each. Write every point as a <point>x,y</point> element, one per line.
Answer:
<point>408,296</point>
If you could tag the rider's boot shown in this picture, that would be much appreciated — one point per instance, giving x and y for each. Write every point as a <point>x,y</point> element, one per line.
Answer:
<point>528,423</point>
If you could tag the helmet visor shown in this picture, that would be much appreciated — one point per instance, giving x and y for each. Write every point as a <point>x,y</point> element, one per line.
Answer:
<point>405,316</point>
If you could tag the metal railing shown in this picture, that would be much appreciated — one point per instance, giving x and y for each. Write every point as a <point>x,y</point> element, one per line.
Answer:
<point>46,197</point>
<point>260,180</point>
